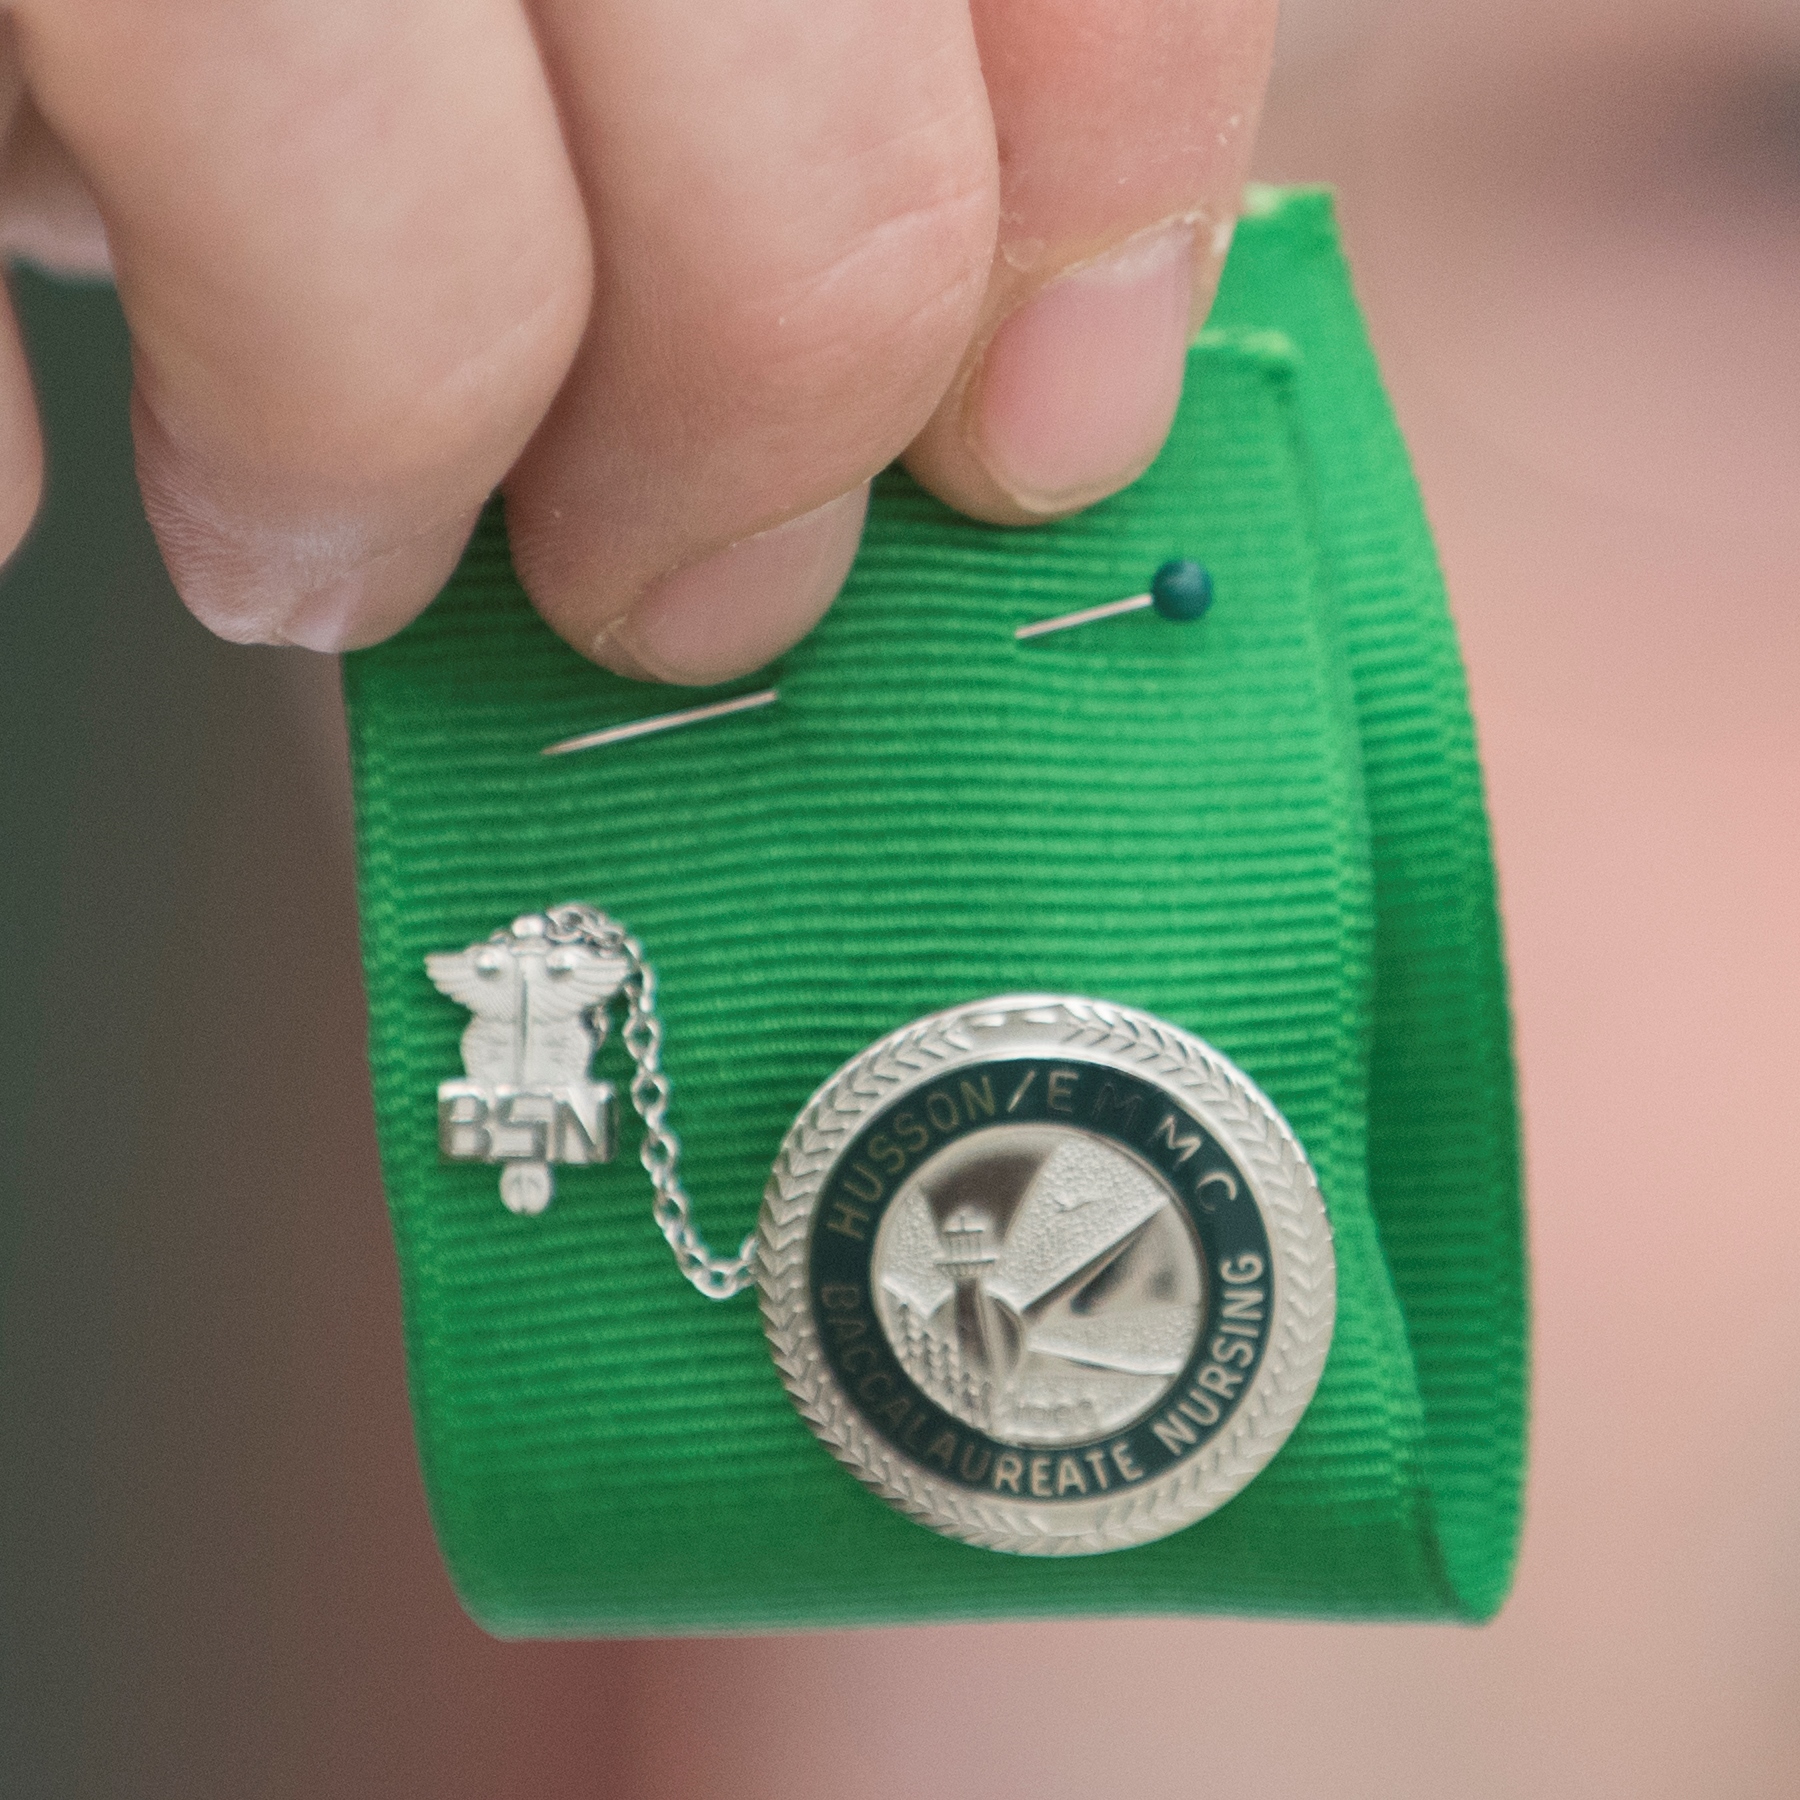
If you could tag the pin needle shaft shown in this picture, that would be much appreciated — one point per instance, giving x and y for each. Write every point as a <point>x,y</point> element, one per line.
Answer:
<point>637,728</point>
<point>1065,621</point>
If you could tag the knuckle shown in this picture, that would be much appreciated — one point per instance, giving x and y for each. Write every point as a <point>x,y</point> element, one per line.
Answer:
<point>407,413</point>
<point>395,402</point>
<point>881,289</point>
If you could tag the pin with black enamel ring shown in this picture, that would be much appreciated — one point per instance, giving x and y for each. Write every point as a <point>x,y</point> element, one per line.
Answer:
<point>1181,590</point>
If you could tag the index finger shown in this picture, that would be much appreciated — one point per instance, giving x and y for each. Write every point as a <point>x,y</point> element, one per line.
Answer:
<point>355,267</point>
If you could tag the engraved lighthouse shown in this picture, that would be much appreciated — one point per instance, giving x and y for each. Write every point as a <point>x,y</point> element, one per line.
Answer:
<point>969,1254</point>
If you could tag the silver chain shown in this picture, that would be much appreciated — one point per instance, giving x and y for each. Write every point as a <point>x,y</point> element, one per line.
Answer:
<point>717,1277</point>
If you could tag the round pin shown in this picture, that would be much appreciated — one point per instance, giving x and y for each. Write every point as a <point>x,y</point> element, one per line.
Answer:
<point>1051,1276</point>
<point>1180,590</point>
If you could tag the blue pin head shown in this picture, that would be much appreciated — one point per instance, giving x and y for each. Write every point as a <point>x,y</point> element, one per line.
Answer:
<point>1181,590</point>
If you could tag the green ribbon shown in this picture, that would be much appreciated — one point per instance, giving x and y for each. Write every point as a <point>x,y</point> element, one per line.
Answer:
<point>1267,827</point>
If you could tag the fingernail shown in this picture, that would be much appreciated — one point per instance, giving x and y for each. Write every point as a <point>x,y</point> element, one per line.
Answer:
<point>1079,387</point>
<point>735,611</point>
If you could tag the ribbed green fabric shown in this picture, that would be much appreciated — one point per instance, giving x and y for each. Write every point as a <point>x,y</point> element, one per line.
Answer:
<point>1267,828</point>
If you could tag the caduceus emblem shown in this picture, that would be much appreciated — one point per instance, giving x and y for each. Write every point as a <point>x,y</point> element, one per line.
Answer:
<point>526,1099</point>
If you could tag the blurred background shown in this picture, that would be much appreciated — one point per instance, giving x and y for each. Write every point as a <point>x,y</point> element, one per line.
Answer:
<point>1576,229</point>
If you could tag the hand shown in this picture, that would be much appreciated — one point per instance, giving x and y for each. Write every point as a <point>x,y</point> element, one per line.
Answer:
<point>678,276</point>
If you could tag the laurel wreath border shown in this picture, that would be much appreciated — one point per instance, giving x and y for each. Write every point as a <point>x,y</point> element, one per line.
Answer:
<point>1282,1184</point>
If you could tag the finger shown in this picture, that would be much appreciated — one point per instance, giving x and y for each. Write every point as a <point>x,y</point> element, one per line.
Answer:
<point>793,211</point>
<point>47,215</point>
<point>1125,129</point>
<point>21,446</point>
<point>355,267</point>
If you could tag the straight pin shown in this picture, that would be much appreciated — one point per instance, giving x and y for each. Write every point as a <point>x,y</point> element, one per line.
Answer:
<point>1180,590</point>
<point>637,728</point>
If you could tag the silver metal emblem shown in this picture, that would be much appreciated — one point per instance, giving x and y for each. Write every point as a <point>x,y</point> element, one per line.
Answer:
<point>526,1099</point>
<point>540,994</point>
<point>1050,1275</point>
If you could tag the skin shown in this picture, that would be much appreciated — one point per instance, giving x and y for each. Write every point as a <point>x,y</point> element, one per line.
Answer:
<point>1579,262</point>
<point>677,279</point>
